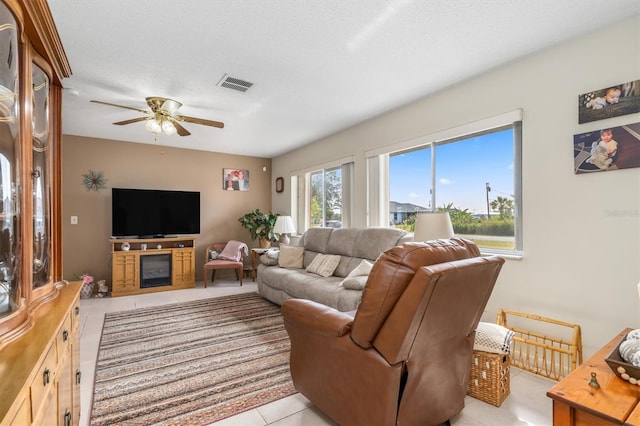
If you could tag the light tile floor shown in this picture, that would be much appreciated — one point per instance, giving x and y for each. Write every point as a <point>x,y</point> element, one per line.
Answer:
<point>527,403</point>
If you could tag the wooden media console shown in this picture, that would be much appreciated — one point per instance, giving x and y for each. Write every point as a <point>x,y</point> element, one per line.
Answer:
<point>165,264</point>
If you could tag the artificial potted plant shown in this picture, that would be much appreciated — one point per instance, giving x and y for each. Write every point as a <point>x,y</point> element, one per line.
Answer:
<point>260,225</point>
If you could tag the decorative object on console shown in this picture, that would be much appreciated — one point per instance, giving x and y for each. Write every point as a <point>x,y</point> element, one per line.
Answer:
<point>433,226</point>
<point>624,360</point>
<point>260,226</point>
<point>125,246</point>
<point>284,226</point>
<point>279,184</point>
<point>94,181</point>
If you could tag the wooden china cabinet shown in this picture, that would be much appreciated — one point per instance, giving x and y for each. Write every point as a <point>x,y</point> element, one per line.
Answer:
<point>39,313</point>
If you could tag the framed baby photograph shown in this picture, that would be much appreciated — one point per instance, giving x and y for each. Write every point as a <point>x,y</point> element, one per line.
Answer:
<point>607,149</point>
<point>612,101</point>
<point>235,180</point>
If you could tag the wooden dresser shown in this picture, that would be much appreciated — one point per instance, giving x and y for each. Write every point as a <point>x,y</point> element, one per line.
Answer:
<point>40,370</point>
<point>614,403</point>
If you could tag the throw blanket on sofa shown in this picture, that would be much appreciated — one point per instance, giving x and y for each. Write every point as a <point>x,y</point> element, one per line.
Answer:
<point>234,250</point>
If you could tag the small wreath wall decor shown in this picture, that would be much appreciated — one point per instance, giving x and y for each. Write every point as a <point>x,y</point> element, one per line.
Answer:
<point>94,181</point>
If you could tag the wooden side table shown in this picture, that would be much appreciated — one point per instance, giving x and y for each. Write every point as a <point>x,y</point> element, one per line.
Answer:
<point>255,254</point>
<point>614,403</point>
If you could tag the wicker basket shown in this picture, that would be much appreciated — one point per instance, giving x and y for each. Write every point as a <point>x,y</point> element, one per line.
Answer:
<point>490,380</point>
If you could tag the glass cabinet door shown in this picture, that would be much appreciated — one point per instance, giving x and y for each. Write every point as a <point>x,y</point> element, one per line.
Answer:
<point>10,226</point>
<point>40,175</point>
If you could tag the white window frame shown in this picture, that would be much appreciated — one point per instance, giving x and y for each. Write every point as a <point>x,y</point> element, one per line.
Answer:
<point>302,197</point>
<point>378,171</point>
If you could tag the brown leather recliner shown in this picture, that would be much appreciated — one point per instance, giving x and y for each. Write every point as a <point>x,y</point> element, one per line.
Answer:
<point>405,358</point>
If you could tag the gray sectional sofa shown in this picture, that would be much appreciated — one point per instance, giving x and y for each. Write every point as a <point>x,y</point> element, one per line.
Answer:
<point>278,284</point>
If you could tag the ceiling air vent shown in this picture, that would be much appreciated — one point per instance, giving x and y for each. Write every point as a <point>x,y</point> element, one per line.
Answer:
<point>234,83</point>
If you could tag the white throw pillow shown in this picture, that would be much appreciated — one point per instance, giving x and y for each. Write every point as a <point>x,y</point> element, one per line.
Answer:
<point>355,283</point>
<point>291,257</point>
<point>364,268</point>
<point>324,264</point>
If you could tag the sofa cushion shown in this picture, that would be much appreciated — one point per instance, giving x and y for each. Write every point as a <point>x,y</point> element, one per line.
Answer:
<point>291,257</point>
<point>324,264</point>
<point>364,268</point>
<point>316,239</point>
<point>370,242</point>
<point>342,241</point>
<point>355,283</point>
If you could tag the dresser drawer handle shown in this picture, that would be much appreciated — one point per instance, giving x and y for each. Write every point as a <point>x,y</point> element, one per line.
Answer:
<point>78,376</point>
<point>67,418</point>
<point>77,310</point>
<point>46,376</point>
<point>65,335</point>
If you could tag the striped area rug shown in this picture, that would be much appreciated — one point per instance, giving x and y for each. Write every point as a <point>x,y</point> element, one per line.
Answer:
<point>190,363</point>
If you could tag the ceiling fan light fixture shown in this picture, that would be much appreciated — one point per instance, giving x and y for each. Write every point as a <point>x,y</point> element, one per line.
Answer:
<point>153,126</point>
<point>168,128</point>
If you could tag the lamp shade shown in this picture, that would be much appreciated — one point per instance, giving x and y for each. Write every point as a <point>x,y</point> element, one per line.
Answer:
<point>432,226</point>
<point>284,226</point>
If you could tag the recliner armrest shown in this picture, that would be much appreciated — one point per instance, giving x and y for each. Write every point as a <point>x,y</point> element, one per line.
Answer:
<point>316,317</point>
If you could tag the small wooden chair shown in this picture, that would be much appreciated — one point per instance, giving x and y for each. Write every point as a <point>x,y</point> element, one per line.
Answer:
<point>213,265</point>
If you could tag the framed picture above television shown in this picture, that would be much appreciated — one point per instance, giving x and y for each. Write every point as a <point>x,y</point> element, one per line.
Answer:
<point>235,180</point>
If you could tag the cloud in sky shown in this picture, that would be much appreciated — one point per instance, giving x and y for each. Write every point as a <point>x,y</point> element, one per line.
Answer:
<point>445,181</point>
<point>413,195</point>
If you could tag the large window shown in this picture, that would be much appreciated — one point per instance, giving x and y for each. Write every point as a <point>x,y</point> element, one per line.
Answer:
<point>475,177</point>
<point>326,198</point>
<point>321,195</point>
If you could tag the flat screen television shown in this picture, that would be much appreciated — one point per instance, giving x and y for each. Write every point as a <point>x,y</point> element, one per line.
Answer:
<point>153,213</point>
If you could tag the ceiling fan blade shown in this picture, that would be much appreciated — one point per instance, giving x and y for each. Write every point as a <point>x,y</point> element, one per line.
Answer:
<point>181,130</point>
<point>200,121</point>
<point>133,120</point>
<point>121,106</point>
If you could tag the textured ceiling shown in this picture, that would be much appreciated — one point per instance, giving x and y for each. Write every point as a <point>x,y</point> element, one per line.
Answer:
<point>318,66</point>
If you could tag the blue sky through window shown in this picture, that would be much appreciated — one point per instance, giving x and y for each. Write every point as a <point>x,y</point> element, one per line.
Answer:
<point>462,170</point>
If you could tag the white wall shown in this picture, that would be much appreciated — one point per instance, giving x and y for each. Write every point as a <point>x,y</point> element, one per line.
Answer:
<point>581,232</point>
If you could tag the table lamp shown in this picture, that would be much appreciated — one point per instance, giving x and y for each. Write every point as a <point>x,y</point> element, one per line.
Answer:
<point>284,226</point>
<point>432,226</point>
